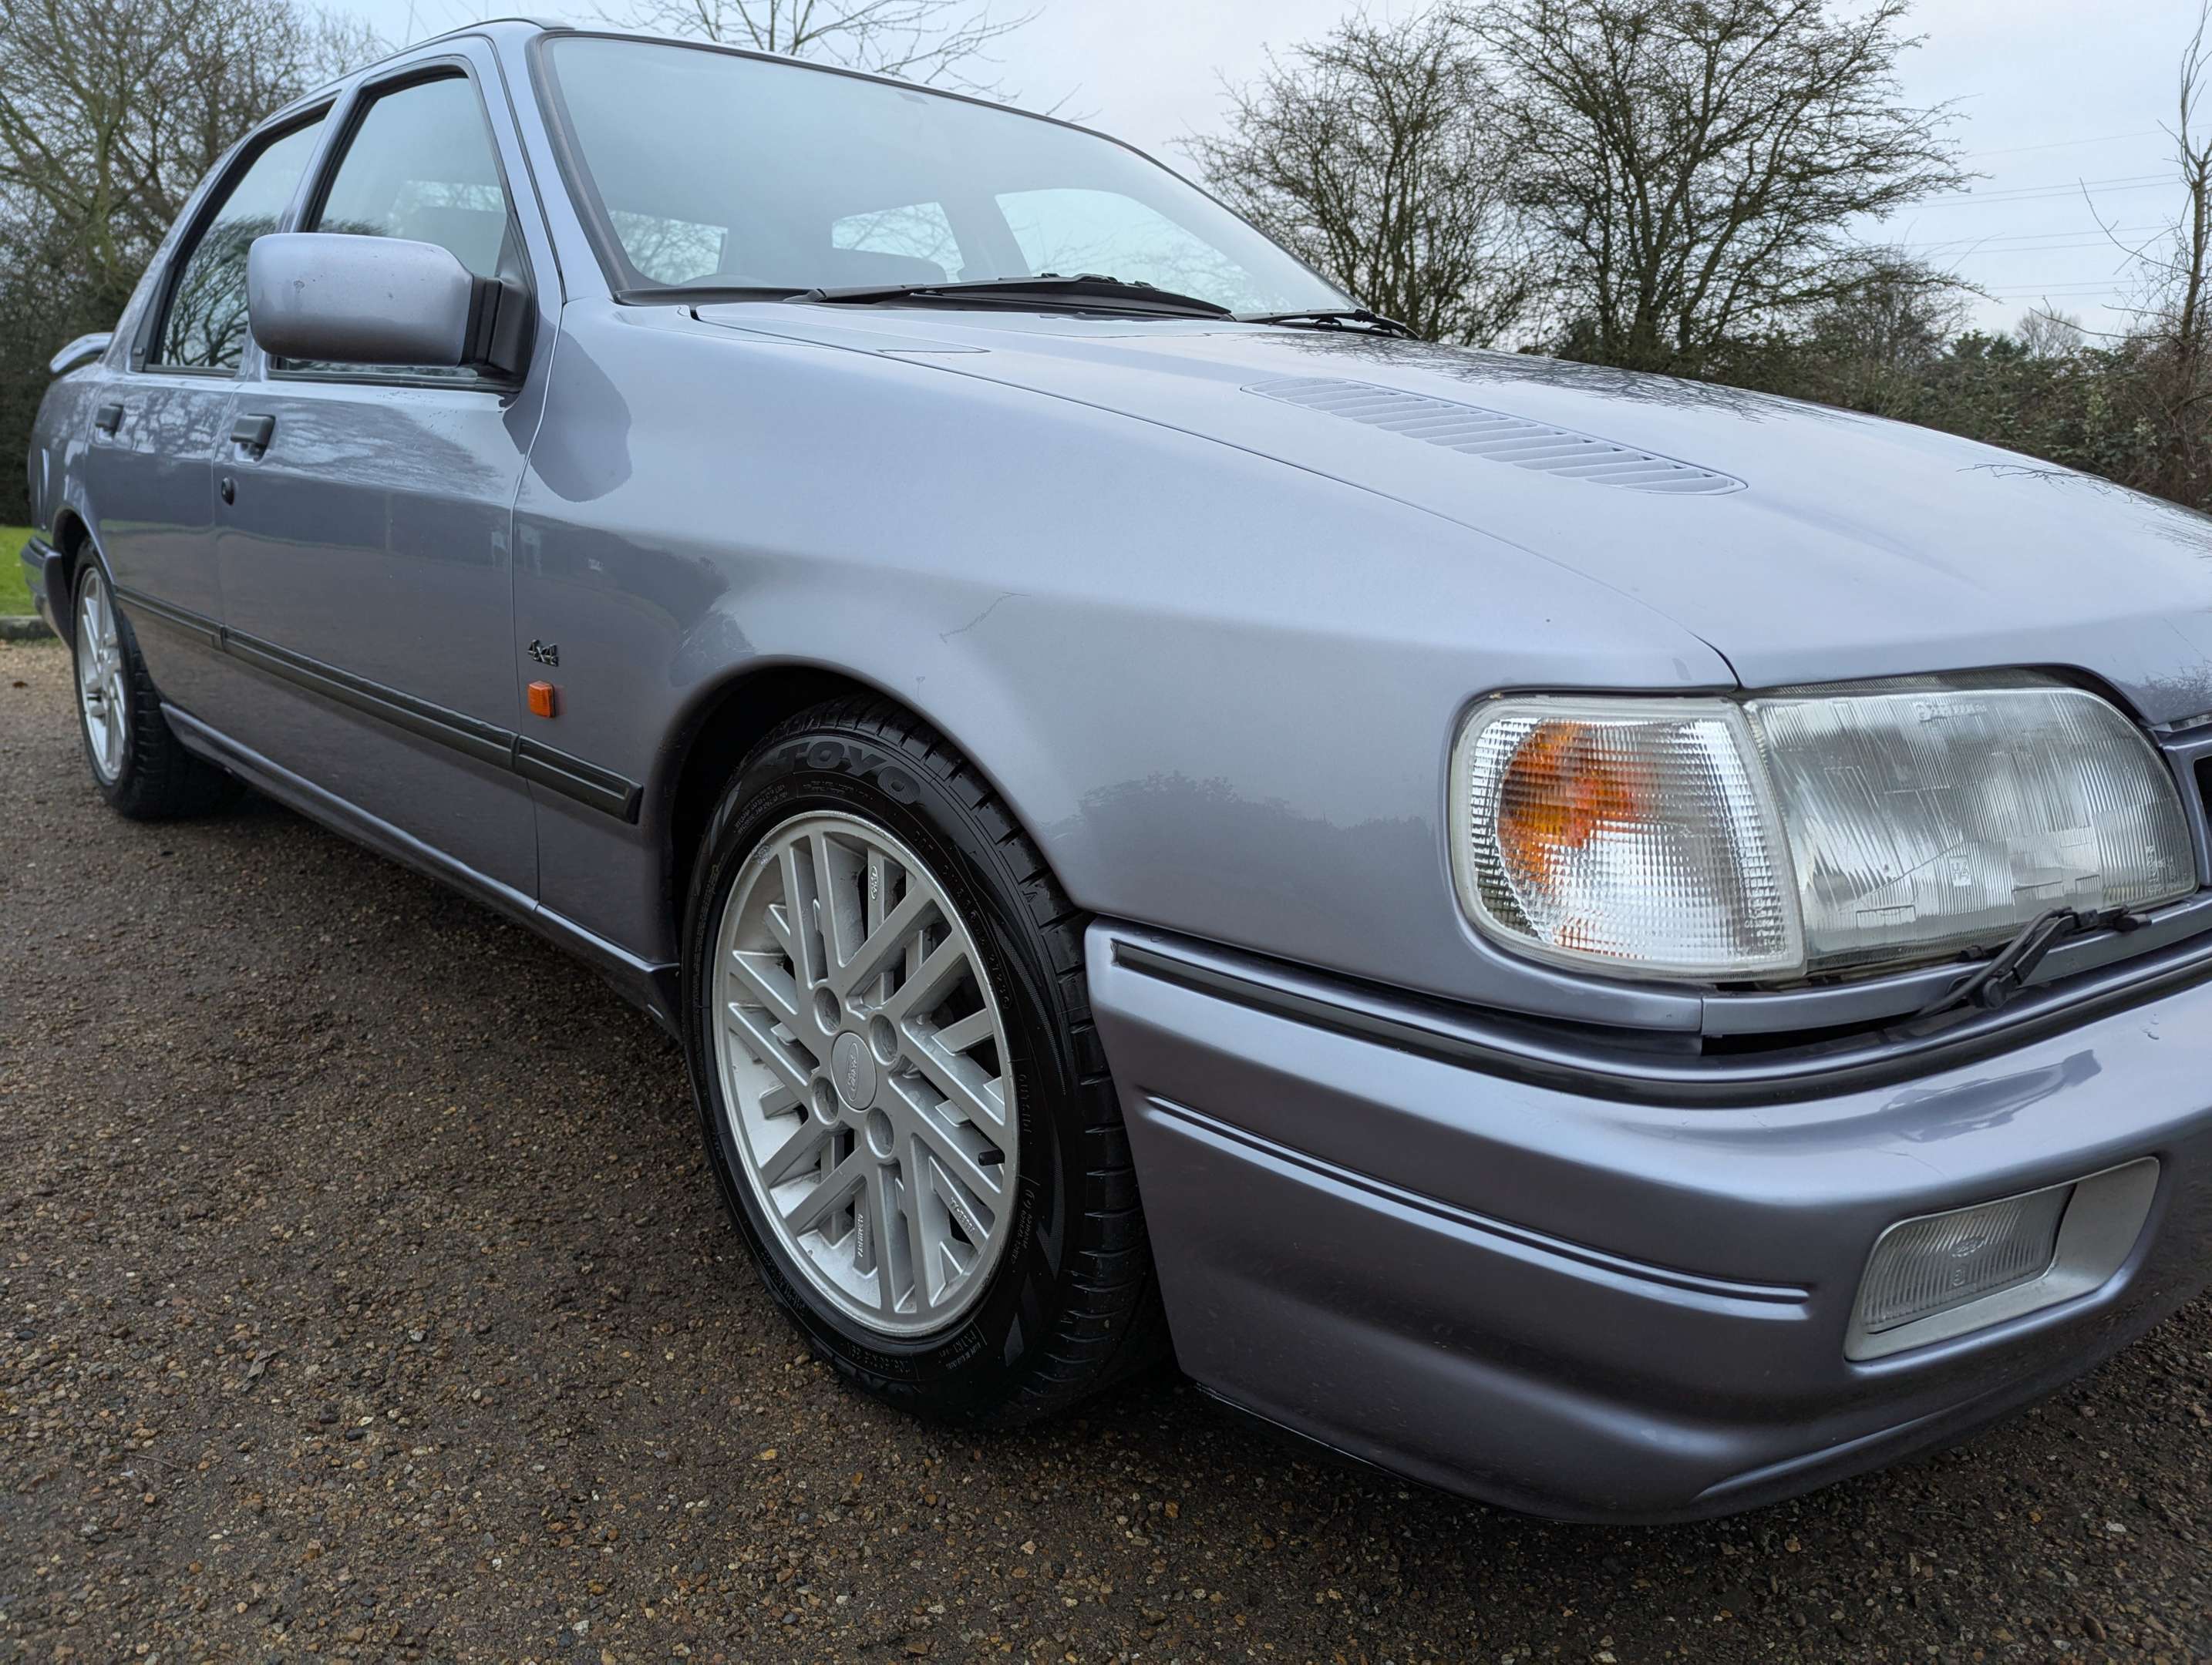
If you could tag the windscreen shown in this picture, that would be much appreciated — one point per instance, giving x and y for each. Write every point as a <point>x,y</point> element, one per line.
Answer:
<point>716,171</point>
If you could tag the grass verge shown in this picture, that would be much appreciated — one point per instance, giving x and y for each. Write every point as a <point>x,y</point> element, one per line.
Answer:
<point>14,593</point>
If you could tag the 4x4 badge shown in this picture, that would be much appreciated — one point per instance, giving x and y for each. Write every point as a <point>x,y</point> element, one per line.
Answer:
<point>545,653</point>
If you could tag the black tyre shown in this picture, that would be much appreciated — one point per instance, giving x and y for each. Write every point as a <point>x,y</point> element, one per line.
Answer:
<point>903,1093</point>
<point>136,760</point>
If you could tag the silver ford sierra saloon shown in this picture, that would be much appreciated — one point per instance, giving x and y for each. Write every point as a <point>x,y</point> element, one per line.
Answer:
<point>1616,946</point>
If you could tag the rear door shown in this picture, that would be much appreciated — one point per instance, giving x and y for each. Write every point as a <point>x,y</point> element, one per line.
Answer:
<point>362,514</point>
<point>158,424</point>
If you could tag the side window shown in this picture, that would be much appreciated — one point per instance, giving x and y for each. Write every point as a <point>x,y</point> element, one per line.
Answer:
<point>420,166</point>
<point>204,327</point>
<point>1071,231</point>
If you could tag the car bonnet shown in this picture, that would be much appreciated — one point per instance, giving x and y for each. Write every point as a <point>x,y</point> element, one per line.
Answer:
<point>1804,543</point>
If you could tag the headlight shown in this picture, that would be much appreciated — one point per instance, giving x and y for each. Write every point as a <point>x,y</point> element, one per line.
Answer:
<point>1806,831</point>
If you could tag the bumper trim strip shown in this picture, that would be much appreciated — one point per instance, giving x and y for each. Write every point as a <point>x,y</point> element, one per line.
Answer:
<point>1466,1220</point>
<point>1525,1052</point>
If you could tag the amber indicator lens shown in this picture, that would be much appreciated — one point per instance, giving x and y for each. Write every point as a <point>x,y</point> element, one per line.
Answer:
<point>544,699</point>
<point>1624,834</point>
<point>1564,787</point>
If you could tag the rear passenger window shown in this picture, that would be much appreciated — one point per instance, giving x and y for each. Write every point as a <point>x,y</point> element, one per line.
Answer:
<point>420,166</point>
<point>204,327</point>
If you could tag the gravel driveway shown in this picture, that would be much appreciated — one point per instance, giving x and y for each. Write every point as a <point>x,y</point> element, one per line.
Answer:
<point>366,1296</point>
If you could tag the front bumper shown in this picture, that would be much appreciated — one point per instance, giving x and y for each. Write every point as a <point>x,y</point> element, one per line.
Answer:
<point>1600,1309</point>
<point>41,565</point>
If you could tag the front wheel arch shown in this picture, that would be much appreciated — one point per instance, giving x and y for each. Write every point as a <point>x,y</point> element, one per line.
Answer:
<point>723,726</point>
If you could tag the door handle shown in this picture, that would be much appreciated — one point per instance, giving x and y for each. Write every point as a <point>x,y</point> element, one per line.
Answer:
<point>254,432</point>
<point>107,418</point>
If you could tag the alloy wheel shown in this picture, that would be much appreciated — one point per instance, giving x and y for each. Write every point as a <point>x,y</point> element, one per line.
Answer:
<point>863,1063</point>
<point>101,687</point>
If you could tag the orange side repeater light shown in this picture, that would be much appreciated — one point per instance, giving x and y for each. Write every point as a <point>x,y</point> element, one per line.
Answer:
<point>545,701</point>
<point>1559,792</point>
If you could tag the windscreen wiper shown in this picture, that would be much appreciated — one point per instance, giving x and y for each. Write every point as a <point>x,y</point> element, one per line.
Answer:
<point>1049,286</point>
<point>1334,318</point>
<point>2006,972</point>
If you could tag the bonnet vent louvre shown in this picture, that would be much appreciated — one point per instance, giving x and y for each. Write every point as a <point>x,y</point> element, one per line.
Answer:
<point>1498,437</point>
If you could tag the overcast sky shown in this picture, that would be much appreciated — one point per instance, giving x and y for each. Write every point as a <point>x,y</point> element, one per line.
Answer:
<point>2051,95</point>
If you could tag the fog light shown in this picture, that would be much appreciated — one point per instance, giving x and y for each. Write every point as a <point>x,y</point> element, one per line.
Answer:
<point>1924,1265</point>
<point>1944,1275</point>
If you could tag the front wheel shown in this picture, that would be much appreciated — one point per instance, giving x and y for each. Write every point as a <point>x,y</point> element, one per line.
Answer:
<point>137,762</point>
<point>903,1093</point>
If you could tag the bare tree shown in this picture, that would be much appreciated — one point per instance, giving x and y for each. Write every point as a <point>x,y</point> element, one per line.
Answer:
<point>1697,164</point>
<point>1873,346</point>
<point>944,42</point>
<point>2171,340</point>
<point>1896,316</point>
<point>2183,306</point>
<point>1376,155</point>
<point>2047,334</point>
<point>111,111</point>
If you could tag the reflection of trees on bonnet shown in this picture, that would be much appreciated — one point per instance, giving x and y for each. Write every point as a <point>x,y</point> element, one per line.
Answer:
<point>206,326</point>
<point>1483,368</point>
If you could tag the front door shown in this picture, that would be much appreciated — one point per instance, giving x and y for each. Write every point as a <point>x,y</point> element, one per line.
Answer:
<point>362,514</point>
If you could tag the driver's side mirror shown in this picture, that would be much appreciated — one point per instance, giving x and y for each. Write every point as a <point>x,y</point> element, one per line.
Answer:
<point>337,298</point>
